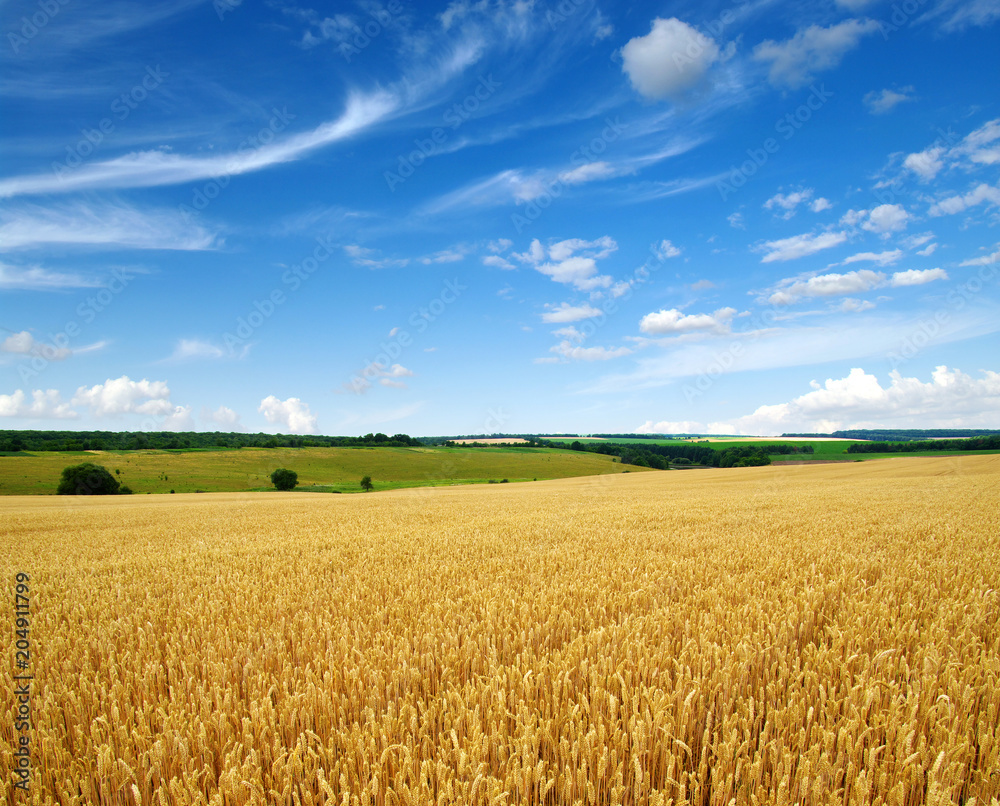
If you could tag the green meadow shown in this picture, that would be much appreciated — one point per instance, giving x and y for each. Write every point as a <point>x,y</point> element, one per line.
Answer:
<point>319,469</point>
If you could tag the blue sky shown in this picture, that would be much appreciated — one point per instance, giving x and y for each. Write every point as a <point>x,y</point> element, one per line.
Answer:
<point>737,217</point>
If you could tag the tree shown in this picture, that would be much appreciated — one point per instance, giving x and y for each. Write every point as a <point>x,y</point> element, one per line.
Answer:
<point>87,479</point>
<point>366,484</point>
<point>284,479</point>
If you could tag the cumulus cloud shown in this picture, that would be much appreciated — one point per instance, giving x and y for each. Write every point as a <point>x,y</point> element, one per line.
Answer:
<point>951,399</point>
<point>44,405</point>
<point>925,164</point>
<point>799,246</point>
<point>180,419</point>
<point>982,146</point>
<point>125,396</point>
<point>572,261</point>
<point>292,414</point>
<point>886,219</point>
<point>794,289</point>
<point>917,277</point>
<point>666,250</point>
<point>794,62</point>
<point>673,322</point>
<point>788,202</point>
<point>825,285</point>
<point>880,103</point>
<point>222,416</point>
<point>982,194</point>
<point>669,61</point>
<point>24,343</point>
<point>984,260</point>
<point>564,312</point>
<point>820,204</point>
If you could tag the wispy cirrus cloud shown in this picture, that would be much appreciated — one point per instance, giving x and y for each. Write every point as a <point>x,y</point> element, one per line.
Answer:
<point>104,225</point>
<point>39,278</point>
<point>158,167</point>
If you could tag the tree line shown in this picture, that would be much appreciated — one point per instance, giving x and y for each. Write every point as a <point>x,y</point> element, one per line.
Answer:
<point>17,441</point>
<point>901,434</point>
<point>661,457</point>
<point>970,444</point>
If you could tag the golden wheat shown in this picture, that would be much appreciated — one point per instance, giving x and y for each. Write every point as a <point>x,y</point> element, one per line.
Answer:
<point>816,635</point>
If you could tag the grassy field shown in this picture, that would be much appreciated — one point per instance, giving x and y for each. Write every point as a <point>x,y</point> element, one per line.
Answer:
<point>825,634</point>
<point>319,469</point>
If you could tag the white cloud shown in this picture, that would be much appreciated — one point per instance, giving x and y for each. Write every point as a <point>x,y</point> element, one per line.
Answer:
<point>24,343</point>
<point>672,59</point>
<point>928,251</point>
<point>564,312</point>
<point>570,333</point>
<point>108,225</point>
<point>951,398</point>
<point>498,262</point>
<point>799,246</point>
<point>292,413</point>
<point>925,164</point>
<point>590,172</point>
<point>666,250</point>
<point>672,321</point>
<point>500,245</point>
<point>788,202</point>
<point>882,258</point>
<point>851,305</point>
<point>886,219</point>
<point>981,146</point>
<point>820,204</point>
<point>812,49</point>
<point>572,261</point>
<point>222,416</point>
<point>917,277</point>
<point>160,167</point>
<point>671,427</point>
<point>576,353</point>
<point>982,194</point>
<point>444,256</point>
<point>180,419</point>
<point>44,405</point>
<point>37,278</point>
<point>794,289</point>
<point>736,221</point>
<point>985,260</point>
<point>880,103</point>
<point>125,396</point>
<point>187,349</point>
<point>361,256</point>
<point>964,13</point>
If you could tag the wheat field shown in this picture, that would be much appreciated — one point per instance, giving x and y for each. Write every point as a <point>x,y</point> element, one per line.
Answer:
<point>813,635</point>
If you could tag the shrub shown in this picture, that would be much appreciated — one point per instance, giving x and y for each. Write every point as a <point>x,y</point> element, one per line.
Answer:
<point>125,490</point>
<point>87,479</point>
<point>284,479</point>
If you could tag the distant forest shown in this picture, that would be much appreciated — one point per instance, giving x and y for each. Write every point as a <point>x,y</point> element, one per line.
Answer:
<point>901,435</point>
<point>16,441</point>
<point>971,444</point>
